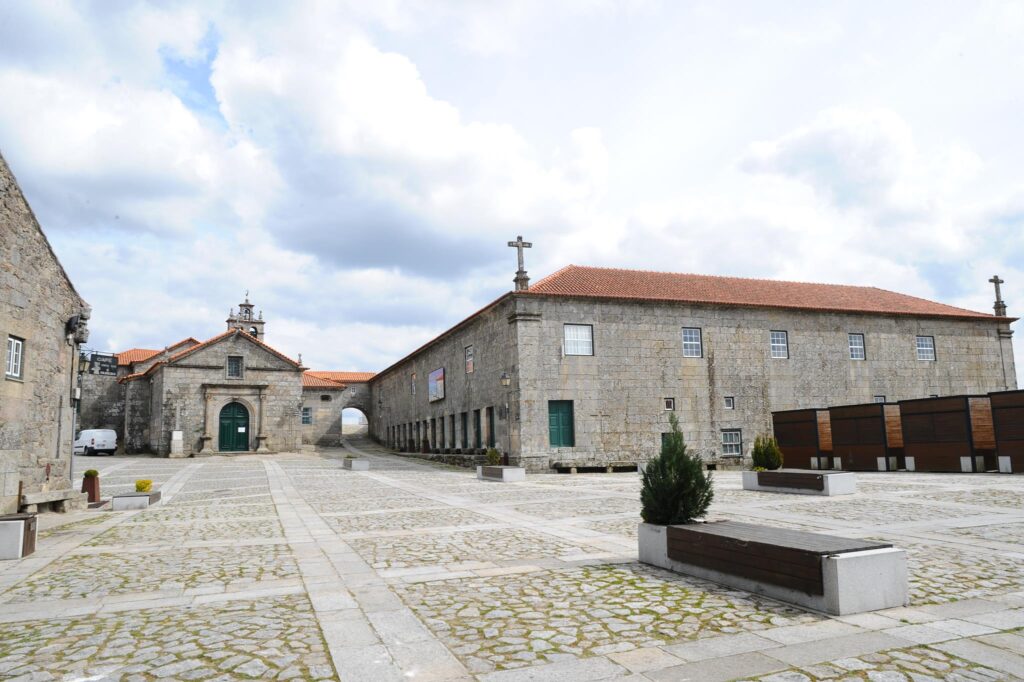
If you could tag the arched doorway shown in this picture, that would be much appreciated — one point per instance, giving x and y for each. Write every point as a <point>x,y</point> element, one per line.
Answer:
<point>353,422</point>
<point>234,428</point>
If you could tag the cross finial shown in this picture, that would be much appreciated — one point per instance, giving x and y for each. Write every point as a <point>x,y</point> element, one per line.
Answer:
<point>522,281</point>
<point>1000,304</point>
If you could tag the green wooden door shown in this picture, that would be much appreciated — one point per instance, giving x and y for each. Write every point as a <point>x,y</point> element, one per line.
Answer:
<point>234,428</point>
<point>560,424</point>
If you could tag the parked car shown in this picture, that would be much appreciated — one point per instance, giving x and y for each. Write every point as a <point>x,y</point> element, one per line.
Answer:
<point>96,442</point>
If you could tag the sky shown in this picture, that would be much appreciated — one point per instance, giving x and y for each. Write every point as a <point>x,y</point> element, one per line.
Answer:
<point>359,167</point>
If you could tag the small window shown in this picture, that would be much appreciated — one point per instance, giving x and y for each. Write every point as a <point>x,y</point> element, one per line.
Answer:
<point>579,339</point>
<point>670,404</point>
<point>469,359</point>
<point>692,346</point>
<point>307,415</point>
<point>325,398</point>
<point>732,443</point>
<point>730,402</point>
<point>413,383</point>
<point>856,342</point>
<point>934,395</point>
<point>780,345</point>
<point>926,348</point>
<point>15,353</point>
<point>879,398</point>
<point>234,366</point>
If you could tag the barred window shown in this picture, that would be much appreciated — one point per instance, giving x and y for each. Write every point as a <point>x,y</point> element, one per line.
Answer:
<point>579,339</point>
<point>856,346</point>
<point>670,404</point>
<point>730,402</point>
<point>307,415</point>
<point>234,366</point>
<point>732,443</point>
<point>692,346</point>
<point>780,345</point>
<point>926,348</point>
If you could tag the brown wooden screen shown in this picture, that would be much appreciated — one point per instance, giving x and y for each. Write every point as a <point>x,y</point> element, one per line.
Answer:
<point>1008,423</point>
<point>938,432</point>
<point>798,435</point>
<point>859,436</point>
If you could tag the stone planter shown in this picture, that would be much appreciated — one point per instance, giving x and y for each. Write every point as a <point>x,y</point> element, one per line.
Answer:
<point>357,464</point>
<point>503,474</point>
<point>801,482</point>
<point>130,501</point>
<point>17,535</point>
<point>91,487</point>
<point>850,582</point>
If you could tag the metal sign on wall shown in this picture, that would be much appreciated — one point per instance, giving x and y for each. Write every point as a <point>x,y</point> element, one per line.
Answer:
<point>100,363</point>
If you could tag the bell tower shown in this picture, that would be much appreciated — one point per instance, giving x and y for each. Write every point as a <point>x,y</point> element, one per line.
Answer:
<point>246,319</point>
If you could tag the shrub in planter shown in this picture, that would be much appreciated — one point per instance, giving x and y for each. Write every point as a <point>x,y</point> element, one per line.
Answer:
<point>493,457</point>
<point>676,489</point>
<point>91,485</point>
<point>91,473</point>
<point>766,454</point>
<point>143,485</point>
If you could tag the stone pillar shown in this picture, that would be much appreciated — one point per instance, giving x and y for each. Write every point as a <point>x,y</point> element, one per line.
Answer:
<point>261,437</point>
<point>205,446</point>
<point>1006,355</point>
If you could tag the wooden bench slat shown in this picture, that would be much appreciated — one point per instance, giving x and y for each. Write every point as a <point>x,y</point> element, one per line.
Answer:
<point>814,543</point>
<point>806,566</point>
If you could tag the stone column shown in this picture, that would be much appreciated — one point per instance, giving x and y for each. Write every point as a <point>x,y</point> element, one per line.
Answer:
<point>261,438</point>
<point>205,446</point>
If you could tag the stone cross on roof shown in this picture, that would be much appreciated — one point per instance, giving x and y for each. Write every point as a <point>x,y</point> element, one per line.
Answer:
<point>522,281</point>
<point>1000,305</point>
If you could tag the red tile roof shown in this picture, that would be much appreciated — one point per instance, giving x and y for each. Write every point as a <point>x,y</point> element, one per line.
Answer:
<point>344,377</point>
<point>310,380</point>
<point>641,285</point>
<point>127,357</point>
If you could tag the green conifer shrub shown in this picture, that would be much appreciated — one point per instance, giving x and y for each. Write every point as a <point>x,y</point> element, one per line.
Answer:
<point>766,454</point>
<point>676,488</point>
<point>493,457</point>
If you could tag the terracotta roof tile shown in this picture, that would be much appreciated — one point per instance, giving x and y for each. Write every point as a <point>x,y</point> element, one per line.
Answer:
<point>610,283</point>
<point>127,357</point>
<point>209,342</point>
<point>344,377</point>
<point>310,380</point>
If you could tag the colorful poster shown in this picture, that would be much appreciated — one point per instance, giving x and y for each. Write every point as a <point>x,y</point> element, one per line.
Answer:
<point>435,385</point>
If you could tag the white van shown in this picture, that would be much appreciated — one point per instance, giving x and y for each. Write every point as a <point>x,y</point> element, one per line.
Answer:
<point>96,442</point>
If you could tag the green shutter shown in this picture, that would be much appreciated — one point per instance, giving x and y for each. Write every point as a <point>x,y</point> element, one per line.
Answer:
<point>560,424</point>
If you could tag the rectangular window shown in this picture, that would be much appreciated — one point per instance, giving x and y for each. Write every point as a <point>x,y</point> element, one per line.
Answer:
<point>670,404</point>
<point>879,398</point>
<point>692,346</point>
<point>234,366</point>
<point>560,424</point>
<point>926,348</point>
<point>469,359</point>
<point>15,353</point>
<point>730,402</point>
<point>307,415</point>
<point>780,345</point>
<point>856,342</point>
<point>732,443</point>
<point>579,339</point>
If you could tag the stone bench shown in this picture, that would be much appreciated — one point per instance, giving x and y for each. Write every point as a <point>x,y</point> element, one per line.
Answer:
<point>129,501</point>
<point>357,464</point>
<point>608,467</point>
<point>826,573</point>
<point>801,482</point>
<point>504,474</point>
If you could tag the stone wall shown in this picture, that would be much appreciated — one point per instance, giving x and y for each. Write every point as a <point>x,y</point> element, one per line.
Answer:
<point>401,413</point>
<point>189,394</point>
<point>102,404</point>
<point>619,392</point>
<point>36,410</point>
<point>325,430</point>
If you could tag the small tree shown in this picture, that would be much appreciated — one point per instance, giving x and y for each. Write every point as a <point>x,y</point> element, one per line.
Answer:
<point>766,453</point>
<point>676,488</point>
<point>493,457</point>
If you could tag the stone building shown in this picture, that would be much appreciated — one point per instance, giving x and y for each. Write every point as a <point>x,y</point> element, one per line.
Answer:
<point>42,322</point>
<point>584,368</point>
<point>231,393</point>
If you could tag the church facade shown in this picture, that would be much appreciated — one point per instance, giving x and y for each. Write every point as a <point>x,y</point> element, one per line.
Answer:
<point>232,393</point>
<point>585,367</point>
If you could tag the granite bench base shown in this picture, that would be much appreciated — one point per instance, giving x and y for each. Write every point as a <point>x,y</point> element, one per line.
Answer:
<point>357,464</point>
<point>801,482</point>
<point>503,474</point>
<point>130,501</point>
<point>839,581</point>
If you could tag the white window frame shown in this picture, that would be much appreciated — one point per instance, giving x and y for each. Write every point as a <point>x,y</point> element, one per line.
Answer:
<point>731,447</point>
<point>307,416</point>
<point>470,359</point>
<point>730,402</point>
<point>14,367</point>
<point>669,404</point>
<point>857,352</point>
<point>241,367</point>
<point>779,351</point>
<point>578,345</point>
<point>693,348</point>
<point>876,398</point>
<point>929,348</point>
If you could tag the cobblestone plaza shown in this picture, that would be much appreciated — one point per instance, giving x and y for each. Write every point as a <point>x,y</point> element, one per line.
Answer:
<point>290,567</point>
